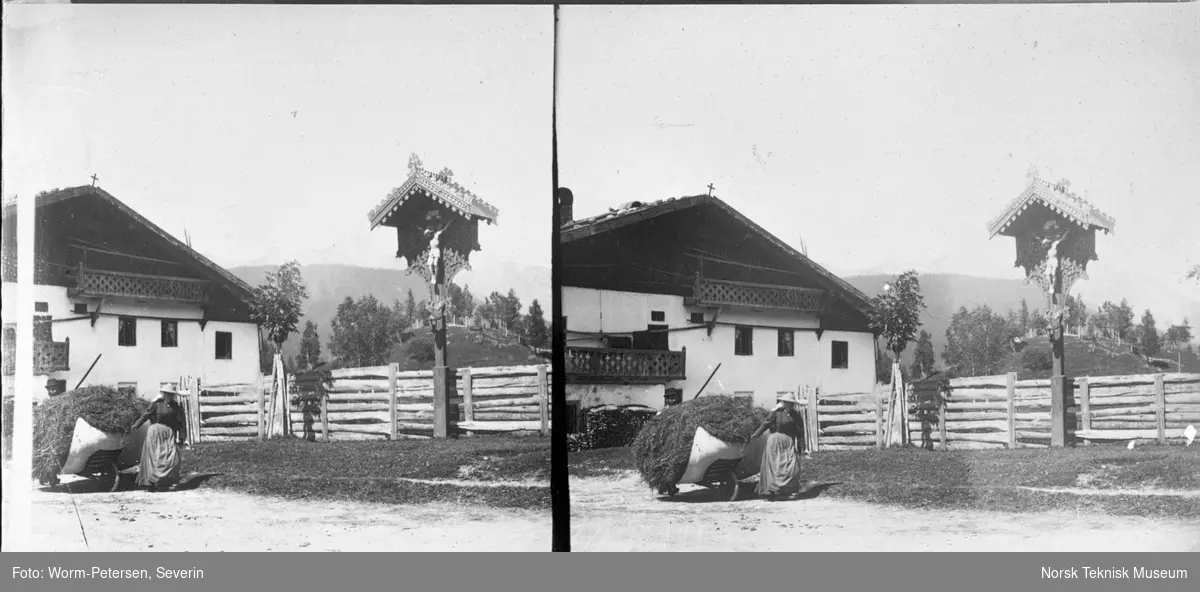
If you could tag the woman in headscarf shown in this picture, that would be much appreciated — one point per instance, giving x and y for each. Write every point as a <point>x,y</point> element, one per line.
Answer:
<point>779,474</point>
<point>161,462</point>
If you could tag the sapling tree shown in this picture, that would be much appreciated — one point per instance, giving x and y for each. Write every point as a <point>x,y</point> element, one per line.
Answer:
<point>278,302</point>
<point>896,312</point>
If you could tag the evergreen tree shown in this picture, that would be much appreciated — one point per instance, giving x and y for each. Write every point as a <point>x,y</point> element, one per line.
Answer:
<point>538,334</point>
<point>1149,338</point>
<point>410,308</point>
<point>924,359</point>
<point>310,347</point>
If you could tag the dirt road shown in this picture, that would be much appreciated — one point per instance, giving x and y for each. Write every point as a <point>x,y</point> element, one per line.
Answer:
<point>209,520</point>
<point>622,514</point>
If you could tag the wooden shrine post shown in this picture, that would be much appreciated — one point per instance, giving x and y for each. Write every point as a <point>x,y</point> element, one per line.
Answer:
<point>1055,232</point>
<point>437,228</point>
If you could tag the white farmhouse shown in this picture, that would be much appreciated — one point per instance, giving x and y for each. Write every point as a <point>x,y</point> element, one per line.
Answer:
<point>120,301</point>
<point>656,295</point>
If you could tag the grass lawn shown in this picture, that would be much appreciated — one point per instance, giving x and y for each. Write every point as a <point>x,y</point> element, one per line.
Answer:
<point>369,471</point>
<point>988,480</point>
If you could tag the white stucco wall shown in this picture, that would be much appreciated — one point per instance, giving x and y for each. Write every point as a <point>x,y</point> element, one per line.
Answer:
<point>764,373</point>
<point>592,395</point>
<point>148,363</point>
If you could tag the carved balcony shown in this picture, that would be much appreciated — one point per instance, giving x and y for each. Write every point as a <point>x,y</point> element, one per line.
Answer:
<point>97,283</point>
<point>628,366</point>
<point>709,292</point>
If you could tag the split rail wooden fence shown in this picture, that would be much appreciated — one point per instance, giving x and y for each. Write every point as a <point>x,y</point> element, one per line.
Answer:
<point>1003,412</point>
<point>383,403</point>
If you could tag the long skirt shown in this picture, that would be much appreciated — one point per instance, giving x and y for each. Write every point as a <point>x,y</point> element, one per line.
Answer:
<point>161,462</point>
<point>780,470</point>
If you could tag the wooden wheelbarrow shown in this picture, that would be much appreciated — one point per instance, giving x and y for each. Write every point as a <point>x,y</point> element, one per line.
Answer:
<point>721,466</point>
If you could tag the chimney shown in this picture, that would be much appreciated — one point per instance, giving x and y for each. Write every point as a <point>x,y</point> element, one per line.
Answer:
<point>566,205</point>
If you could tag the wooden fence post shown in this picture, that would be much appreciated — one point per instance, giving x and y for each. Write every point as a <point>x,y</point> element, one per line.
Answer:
<point>543,399</point>
<point>1160,408</point>
<point>325,415</point>
<point>262,411</point>
<point>468,403</point>
<point>197,438</point>
<point>1085,407</point>
<point>1012,409</point>
<point>942,419</point>
<point>392,369</point>
<point>878,419</point>
<point>814,427</point>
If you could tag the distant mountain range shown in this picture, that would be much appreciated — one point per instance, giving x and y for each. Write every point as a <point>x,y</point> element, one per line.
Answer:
<point>945,293</point>
<point>330,284</point>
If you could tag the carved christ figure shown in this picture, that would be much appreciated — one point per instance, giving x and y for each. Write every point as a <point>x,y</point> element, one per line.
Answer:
<point>435,254</point>
<point>1052,258</point>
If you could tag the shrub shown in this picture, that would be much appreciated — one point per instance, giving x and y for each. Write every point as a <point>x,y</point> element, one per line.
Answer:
<point>1037,360</point>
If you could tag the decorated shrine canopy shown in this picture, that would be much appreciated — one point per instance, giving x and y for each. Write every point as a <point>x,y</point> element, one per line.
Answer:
<point>1051,224</point>
<point>428,210</point>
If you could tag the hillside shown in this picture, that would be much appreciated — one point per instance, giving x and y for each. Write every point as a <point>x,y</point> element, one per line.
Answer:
<point>467,351</point>
<point>1108,358</point>
<point>329,285</point>
<point>945,293</point>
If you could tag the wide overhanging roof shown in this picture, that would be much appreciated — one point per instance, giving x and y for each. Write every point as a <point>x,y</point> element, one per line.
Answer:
<point>1066,204</point>
<point>438,186</point>
<point>635,212</point>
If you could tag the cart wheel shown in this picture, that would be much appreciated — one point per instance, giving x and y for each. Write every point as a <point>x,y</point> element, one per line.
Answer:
<point>730,487</point>
<point>110,478</point>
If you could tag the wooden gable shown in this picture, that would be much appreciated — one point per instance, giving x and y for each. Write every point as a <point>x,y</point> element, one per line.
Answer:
<point>663,253</point>
<point>88,233</point>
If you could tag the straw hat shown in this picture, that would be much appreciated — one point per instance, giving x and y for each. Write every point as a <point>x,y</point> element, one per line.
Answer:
<point>788,398</point>
<point>168,390</point>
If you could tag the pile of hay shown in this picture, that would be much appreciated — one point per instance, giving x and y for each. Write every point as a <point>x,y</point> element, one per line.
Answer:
<point>105,408</point>
<point>662,448</point>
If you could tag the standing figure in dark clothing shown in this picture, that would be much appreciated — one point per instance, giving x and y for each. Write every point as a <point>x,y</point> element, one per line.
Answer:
<point>161,462</point>
<point>779,474</point>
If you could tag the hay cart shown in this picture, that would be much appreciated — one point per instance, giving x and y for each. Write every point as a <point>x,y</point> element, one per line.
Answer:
<point>721,466</point>
<point>102,457</point>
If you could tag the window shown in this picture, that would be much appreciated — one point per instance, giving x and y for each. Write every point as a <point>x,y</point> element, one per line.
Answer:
<point>841,354</point>
<point>620,342</point>
<point>658,316</point>
<point>126,331</point>
<point>170,333</point>
<point>224,345</point>
<point>743,341</point>
<point>655,338</point>
<point>41,307</point>
<point>787,342</point>
<point>573,417</point>
<point>698,317</point>
<point>81,308</point>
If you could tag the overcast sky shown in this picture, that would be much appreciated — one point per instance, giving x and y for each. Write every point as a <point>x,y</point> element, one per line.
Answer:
<point>270,132</point>
<point>887,137</point>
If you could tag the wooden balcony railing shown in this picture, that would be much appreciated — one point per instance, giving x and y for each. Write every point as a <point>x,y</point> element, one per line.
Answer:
<point>48,356</point>
<point>708,292</point>
<point>642,366</point>
<point>93,282</point>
